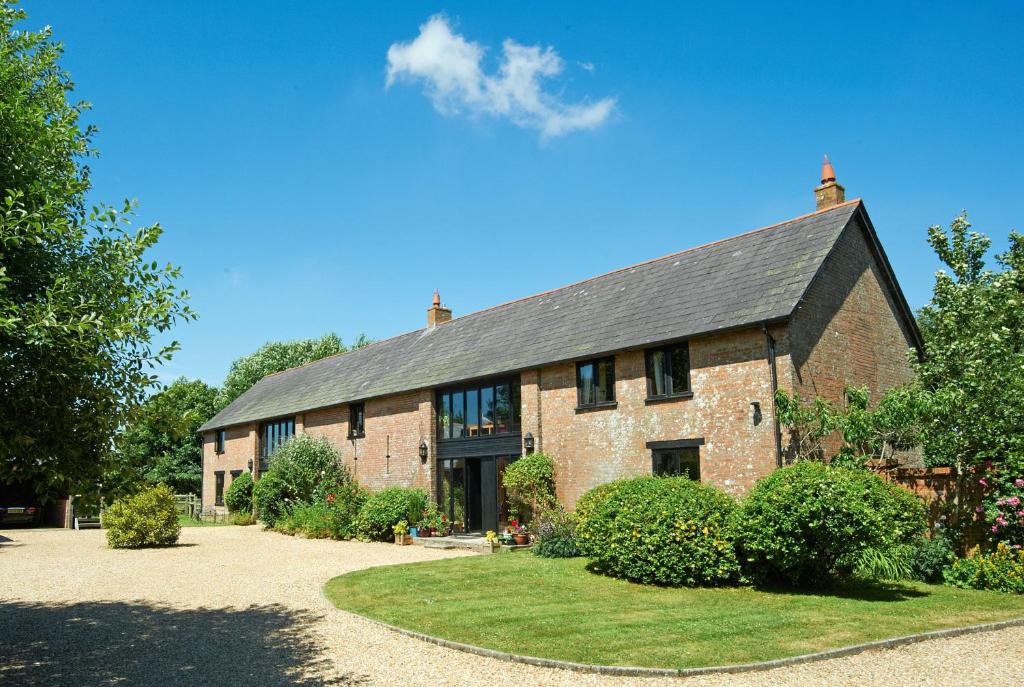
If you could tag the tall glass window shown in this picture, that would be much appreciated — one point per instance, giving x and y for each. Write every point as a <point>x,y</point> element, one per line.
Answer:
<point>478,410</point>
<point>668,371</point>
<point>272,437</point>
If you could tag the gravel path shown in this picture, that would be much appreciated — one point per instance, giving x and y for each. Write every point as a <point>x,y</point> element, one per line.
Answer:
<point>237,606</point>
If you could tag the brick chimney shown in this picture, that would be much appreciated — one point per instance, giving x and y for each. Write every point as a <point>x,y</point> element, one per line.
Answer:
<point>830,193</point>
<point>437,313</point>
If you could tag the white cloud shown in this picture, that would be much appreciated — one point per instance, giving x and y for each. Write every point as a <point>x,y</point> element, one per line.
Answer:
<point>450,67</point>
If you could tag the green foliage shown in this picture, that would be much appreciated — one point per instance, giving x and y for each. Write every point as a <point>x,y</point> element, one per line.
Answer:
<point>868,433</point>
<point>555,534</point>
<point>884,564</point>
<point>270,496</point>
<point>1001,570</point>
<point>530,480</point>
<point>81,306</point>
<point>309,467</point>
<point>662,530</point>
<point>148,518</point>
<point>241,518</point>
<point>159,445</point>
<point>810,523</point>
<point>238,497</point>
<point>929,558</point>
<point>973,367</point>
<point>385,509</point>
<point>277,356</point>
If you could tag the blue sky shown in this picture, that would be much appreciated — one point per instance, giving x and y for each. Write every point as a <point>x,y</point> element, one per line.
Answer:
<point>302,194</point>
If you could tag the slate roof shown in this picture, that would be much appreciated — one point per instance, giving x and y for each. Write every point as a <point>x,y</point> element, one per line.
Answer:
<point>740,281</point>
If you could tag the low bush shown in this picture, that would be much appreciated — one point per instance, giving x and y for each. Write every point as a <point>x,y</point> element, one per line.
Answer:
<point>585,506</point>
<point>810,523</point>
<point>1001,570</point>
<point>385,509</point>
<point>270,496</point>
<point>929,558</point>
<point>530,481</point>
<point>332,518</point>
<point>662,530</point>
<point>555,532</point>
<point>238,497</point>
<point>242,518</point>
<point>149,518</point>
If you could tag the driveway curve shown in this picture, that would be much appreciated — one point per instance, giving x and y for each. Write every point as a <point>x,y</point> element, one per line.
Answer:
<point>239,606</point>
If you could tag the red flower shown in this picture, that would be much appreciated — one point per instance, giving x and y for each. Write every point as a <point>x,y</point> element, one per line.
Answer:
<point>513,523</point>
<point>330,498</point>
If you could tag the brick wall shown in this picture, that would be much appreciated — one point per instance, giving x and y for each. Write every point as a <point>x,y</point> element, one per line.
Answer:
<point>239,448</point>
<point>394,426</point>
<point>596,446</point>
<point>847,331</point>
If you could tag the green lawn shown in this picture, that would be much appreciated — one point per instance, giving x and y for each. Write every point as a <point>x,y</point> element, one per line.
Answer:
<point>189,522</point>
<point>523,604</point>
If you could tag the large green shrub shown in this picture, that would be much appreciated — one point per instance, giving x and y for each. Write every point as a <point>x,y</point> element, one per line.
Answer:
<point>662,530</point>
<point>385,509</point>
<point>148,518</point>
<point>929,558</point>
<point>238,497</point>
<point>809,523</point>
<point>530,480</point>
<point>334,517</point>
<point>1001,570</point>
<point>270,498</point>
<point>309,467</point>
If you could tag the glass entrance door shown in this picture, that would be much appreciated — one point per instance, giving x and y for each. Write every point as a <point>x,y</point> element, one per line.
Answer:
<point>471,495</point>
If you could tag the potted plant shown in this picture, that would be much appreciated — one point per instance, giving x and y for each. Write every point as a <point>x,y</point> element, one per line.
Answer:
<point>520,533</point>
<point>401,531</point>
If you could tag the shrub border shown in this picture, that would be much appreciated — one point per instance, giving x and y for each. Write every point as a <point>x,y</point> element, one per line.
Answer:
<point>636,671</point>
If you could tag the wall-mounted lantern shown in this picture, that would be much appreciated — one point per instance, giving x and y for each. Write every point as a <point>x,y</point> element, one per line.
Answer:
<point>423,450</point>
<point>250,465</point>
<point>756,405</point>
<point>528,442</point>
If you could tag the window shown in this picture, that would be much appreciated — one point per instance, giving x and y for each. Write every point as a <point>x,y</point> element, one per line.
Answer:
<point>668,371</point>
<point>356,420</point>
<point>219,494</point>
<point>595,383</point>
<point>220,440</point>
<point>272,436</point>
<point>677,462</point>
<point>479,410</point>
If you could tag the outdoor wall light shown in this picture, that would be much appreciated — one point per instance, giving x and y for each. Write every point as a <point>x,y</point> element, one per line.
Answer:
<point>756,405</point>
<point>423,450</point>
<point>528,442</point>
<point>250,465</point>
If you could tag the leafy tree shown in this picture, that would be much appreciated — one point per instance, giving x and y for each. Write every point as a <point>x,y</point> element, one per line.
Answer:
<point>79,303</point>
<point>973,368</point>
<point>159,445</point>
<point>278,356</point>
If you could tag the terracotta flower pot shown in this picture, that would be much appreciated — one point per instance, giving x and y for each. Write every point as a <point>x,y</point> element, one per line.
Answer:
<point>521,539</point>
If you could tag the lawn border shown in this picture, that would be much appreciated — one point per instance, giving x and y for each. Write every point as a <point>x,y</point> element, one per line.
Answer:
<point>636,671</point>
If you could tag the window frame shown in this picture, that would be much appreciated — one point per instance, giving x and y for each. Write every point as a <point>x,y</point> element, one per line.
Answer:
<point>445,397</point>
<point>218,488</point>
<point>265,454</point>
<point>220,440</point>
<point>356,410</point>
<point>608,403</point>
<point>656,454</point>
<point>668,380</point>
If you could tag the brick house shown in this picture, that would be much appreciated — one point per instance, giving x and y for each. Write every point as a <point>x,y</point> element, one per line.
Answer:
<point>667,366</point>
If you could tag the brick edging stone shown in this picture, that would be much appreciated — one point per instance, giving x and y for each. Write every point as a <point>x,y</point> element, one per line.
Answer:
<point>636,671</point>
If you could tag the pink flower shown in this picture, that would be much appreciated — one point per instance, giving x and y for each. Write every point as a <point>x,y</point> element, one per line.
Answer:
<point>979,509</point>
<point>1013,500</point>
<point>983,482</point>
<point>1018,482</point>
<point>995,528</point>
<point>1020,513</point>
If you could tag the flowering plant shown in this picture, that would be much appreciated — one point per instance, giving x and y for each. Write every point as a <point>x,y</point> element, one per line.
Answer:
<point>492,536</point>
<point>401,529</point>
<point>516,527</point>
<point>1002,508</point>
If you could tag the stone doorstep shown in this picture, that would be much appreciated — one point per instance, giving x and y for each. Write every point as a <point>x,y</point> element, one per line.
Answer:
<point>468,542</point>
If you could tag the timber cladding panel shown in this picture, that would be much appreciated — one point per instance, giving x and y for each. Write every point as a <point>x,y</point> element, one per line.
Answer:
<point>239,448</point>
<point>595,446</point>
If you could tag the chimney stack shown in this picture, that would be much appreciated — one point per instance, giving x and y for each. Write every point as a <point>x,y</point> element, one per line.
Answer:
<point>830,193</point>
<point>437,313</point>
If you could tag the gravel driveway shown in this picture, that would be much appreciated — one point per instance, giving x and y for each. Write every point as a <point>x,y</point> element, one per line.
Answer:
<point>238,606</point>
